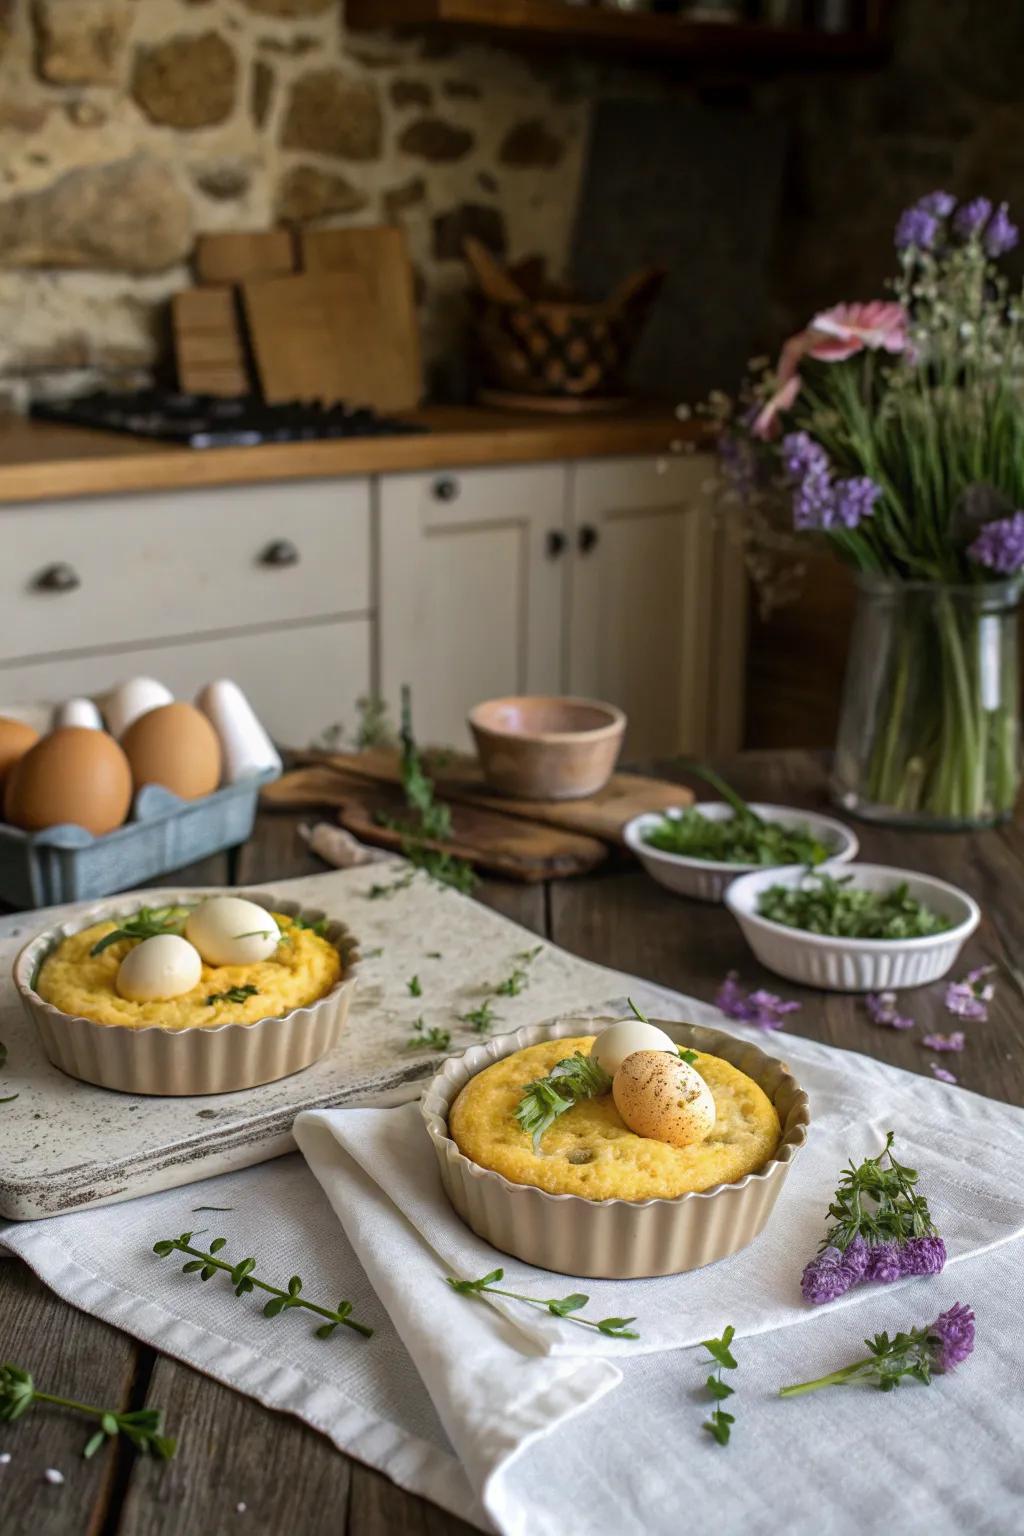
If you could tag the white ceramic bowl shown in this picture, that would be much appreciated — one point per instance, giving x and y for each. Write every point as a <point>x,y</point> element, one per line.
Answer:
<point>855,965</point>
<point>707,879</point>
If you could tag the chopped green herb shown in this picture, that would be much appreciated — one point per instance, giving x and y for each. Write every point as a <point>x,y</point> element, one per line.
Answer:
<point>743,838</point>
<point>512,985</point>
<point>560,1306</point>
<point>414,986</point>
<point>144,924</point>
<point>381,892</point>
<point>196,1208</point>
<point>319,927</point>
<point>826,905</point>
<point>433,1039</point>
<point>481,1018</point>
<point>10,1098</point>
<point>232,995</point>
<point>574,1078</point>
<point>432,954</point>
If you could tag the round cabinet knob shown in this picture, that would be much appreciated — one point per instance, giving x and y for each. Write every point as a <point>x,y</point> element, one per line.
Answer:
<point>58,577</point>
<point>445,488</point>
<point>555,543</point>
<point>587,538</point>
<point>280,553</point>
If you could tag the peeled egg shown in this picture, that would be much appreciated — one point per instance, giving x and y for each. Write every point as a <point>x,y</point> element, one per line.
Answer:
<point>228,930</point>
<point>74,775</point>
<point>125,703</point>
<point>160,967</point>
<point>174,745</point>
<point>15,739</point>
<point>620,1040</point>
<point>247,747</point>
<point>663,1097</point>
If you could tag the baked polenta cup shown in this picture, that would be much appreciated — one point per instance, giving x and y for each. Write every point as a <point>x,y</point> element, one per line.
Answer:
<point>617,1238</point>
<point>179,1058</point>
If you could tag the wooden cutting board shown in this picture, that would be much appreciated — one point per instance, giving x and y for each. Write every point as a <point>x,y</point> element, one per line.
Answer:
<point>458,779</point>
<point>308,339</point>
<point>383,333</point>
<point>234,255</point>
<point>208,348</point>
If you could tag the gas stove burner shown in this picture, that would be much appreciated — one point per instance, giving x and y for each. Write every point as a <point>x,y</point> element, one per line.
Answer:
<point>218,421</point>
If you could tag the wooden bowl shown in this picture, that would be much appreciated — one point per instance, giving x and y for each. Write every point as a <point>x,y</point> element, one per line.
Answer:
<point>545,748</point>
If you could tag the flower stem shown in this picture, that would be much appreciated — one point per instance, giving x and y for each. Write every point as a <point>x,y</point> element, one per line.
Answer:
<point>833,1379</point>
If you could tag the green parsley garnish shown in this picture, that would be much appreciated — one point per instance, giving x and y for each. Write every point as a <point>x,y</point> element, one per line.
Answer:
<point>232,995</point>
<point>146,923</point>
<point>744,838</point>
<point>826,905</point>
<point>574,1078</point>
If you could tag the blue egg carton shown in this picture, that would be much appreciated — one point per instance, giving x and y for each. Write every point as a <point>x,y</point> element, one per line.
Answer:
<point>164,832</point>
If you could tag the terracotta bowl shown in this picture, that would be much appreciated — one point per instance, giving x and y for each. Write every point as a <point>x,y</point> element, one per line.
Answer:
<point>542,748</point>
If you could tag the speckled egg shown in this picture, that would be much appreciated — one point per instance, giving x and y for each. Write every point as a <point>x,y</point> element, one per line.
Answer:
<point>663,1097</point>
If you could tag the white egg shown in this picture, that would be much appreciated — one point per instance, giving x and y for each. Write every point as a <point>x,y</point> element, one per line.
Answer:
<point>614,1044</point>
<point>81,712</point>
<point>663,1097</point>
<point>228,930</point>
<point>160,967</point>
<point>247,747</point>
<point>129,700</point>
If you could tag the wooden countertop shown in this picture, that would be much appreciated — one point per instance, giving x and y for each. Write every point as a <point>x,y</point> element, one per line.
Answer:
<point>42,461</point>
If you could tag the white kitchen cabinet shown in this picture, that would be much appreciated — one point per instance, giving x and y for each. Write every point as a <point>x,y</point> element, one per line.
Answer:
<point>471,598</point>
<point>655,603</point>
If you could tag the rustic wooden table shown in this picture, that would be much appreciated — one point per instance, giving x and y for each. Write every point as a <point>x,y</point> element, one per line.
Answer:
<point>289,1478</point>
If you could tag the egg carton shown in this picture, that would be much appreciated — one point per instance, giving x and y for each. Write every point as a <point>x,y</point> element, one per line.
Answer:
<point>164,832</point>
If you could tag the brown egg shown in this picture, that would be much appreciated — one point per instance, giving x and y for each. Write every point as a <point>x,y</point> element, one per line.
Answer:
<point>74,774</point>
<point>174,745</point>
<point>15,739</point>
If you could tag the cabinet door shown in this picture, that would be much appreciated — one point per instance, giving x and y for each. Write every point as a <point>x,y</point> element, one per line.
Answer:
<point>654,593</point>
<point>471,590</point>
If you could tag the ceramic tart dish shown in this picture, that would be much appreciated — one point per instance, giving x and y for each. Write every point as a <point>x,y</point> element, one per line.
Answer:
<point>183,1062</point>
<point>615,1239</point>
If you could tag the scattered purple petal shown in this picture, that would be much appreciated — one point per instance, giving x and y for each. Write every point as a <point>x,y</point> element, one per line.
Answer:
<point>969,999</point>
<point>943,1073</point>
<point>954,1042</point>
<point>765,1010</point>
<point>923,1256</point>
<point>951,1337</point>
<point>881,1008</point>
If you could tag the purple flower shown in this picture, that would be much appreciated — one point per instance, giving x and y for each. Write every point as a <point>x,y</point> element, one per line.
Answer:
<point>763,1009</point>
<point>814,501</point>
<point>940,204</point>
<point>885,1263</point>
<point>855,1258</point>
<point>829,1276</point>
<point>942,1073</point>
<point>969,999</point>
<point>916,227</point>
<point>801,454</point>
<point>1001,235</point>
<point>1000,545</point>
<point>951,1337</point>
<point>972,216</point>
<point>953,1042</point>
<point>855,499</point>
<point>923,1255</point>
<point>881,1007</point>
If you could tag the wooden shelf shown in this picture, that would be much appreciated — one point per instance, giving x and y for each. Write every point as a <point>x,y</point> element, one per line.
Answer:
<point>741,44</point>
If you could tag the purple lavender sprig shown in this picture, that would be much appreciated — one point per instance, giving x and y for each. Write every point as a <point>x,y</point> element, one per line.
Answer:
<point>883,1231</point>
<point>820,501</point>
<point>763,1009</point>
<point>1000,545</point>
<point>938,1348</point>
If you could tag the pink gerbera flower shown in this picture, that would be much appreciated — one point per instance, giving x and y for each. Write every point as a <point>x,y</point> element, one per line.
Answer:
<point>845,329</point>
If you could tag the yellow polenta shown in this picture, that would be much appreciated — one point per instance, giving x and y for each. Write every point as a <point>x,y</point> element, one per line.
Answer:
<point>589,1150</point>
<point>303,967</point>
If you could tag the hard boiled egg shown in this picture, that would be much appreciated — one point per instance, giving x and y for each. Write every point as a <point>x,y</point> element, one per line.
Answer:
<point>228,930</point>
<point>614,1044</point>
<point>161,967</point>
<point>663,1097</point>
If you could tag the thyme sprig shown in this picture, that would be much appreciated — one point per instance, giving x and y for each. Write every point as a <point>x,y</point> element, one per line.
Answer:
<point>432,1039</point>
<point>146,923</point>
<point>142,1426</point>
<point>560,1306</point>
<point>877,1200</point>
<point>414,986</point>
<point>720,1423</point>
<point>570,1080</point>
<point>431,822</point>
<point>518,977</point>
<point>481,1018</point>
<point>206,1264</point>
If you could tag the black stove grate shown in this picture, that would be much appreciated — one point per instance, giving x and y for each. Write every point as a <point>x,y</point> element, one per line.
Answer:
<point>215,421</point>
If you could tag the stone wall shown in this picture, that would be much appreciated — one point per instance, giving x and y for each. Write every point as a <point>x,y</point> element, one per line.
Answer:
<point>126,126</point>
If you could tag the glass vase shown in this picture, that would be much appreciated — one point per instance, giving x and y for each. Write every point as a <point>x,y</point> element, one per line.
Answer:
<point>929,733</point>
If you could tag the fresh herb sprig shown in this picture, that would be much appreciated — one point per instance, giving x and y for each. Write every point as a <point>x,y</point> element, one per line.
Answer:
<point>232,995</point>
<point>481,1018</point>
<point>917,1353</point>
<point>877,1200</point>
<point>432,1039</point>
<point>142,1426</point>
<point>431,822</point>
<point>826,905</point>
<point>414,986</point>
<point>571,1080</point>
<point>561,1306</point>
<point>207,1263</point>
<point>720,1423</point>
<point>147,923</point>
<point>378,892</point>
<point>513,984</point>
<point>743,838</point>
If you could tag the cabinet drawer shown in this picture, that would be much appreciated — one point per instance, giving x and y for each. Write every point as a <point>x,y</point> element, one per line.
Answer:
<point>81,574</point>
<point>299,680</point>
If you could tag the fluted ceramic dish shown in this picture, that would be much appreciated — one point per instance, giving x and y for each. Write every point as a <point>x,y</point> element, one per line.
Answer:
<point>182,1062</point>
<point>615,1239</point>
<point>855,965</point>
<point>707,879</point>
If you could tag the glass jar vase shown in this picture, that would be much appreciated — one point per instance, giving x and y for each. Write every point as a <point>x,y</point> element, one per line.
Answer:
<point>929,732</point>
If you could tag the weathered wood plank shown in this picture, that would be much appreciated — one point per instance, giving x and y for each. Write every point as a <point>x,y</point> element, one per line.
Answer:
<point>213,870</point>
<point>72,1355</point>
<point>276,851</point>
<point>378,1508</point>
